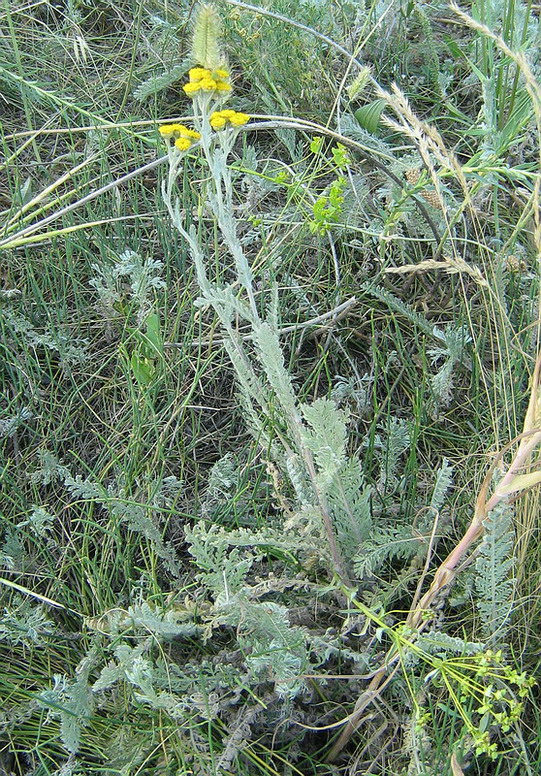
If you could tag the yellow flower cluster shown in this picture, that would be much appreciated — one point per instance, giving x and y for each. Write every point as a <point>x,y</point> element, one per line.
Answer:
<point>182,136</point>
<point>220,118</point>
<point>205,80</point>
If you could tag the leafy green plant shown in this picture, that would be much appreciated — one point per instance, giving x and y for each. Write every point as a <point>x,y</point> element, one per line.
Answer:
<point>240,457</point>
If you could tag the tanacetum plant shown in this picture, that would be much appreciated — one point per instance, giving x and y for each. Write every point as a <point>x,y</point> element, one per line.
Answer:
<point>237,529</point>
<point>306,442</point>
<point>264,380</point>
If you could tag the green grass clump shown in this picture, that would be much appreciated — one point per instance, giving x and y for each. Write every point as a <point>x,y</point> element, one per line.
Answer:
<point>241,439</point>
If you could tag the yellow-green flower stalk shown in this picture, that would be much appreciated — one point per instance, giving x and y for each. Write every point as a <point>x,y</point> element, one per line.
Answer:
<point>205,42</point>
<point>209,81</point>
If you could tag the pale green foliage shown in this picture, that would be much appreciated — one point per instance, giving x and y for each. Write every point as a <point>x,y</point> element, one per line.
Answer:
<point>48,470</point>
<point>124,749</point>
<point>351,508</point>
<point>222,479</point>
<point>287,137</point>
<point>237,738</point>
<point>210,652</point>
<point>6,560</point>
<point>326,437</point>
<point>70,350</point>
<point>384,543</point>
<point>165,491</point>
<point>84,489</point>
<point>350,128</point>
<point>437,642</point>
<point>70,768</point>
<point>40,522</point>
<point>390,444</point>
<point>158,83</point>
<point>13,715</point>
<point>25,623</point>
<point>266,539</point>
<point>72,702</point>
<point>273,647</point>
<point>310,451</point>
<point>10,425</point>
<point>296,471</point>
<point>387,544</point>
<point>272,360</point>
<point>139,520</point>
<point>143,277</point>
<point>450,348</point>
<point>451,351</point>
<point>143,618</point>
<point>223,490</point>
<point>494,572</point>
<point>354,391</point>
<point>418,744</point>
<point>284,657</point>
<point>444,480</point>
<point>200,689</point>
<point>12,554</point>
<point>223,571</point>
<point>252,396</point>
<point>398,306</point>
<point>135,666</point>
<point>138,517</point>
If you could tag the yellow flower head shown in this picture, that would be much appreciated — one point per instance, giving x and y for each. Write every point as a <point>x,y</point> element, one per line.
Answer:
<point>208,84</point>
<point>204,79</point>
<point>169,129</point>
<point>239,119</point>
<point>198,73</point>
<point>179,134</point>
<point>217,121</point>
<point>183,143</point>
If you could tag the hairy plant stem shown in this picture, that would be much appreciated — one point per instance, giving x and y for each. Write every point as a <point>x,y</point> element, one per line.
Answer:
<point>221,198</point>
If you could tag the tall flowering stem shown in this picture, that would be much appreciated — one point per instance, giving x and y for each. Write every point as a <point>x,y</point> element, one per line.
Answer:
<point>261,370</point>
